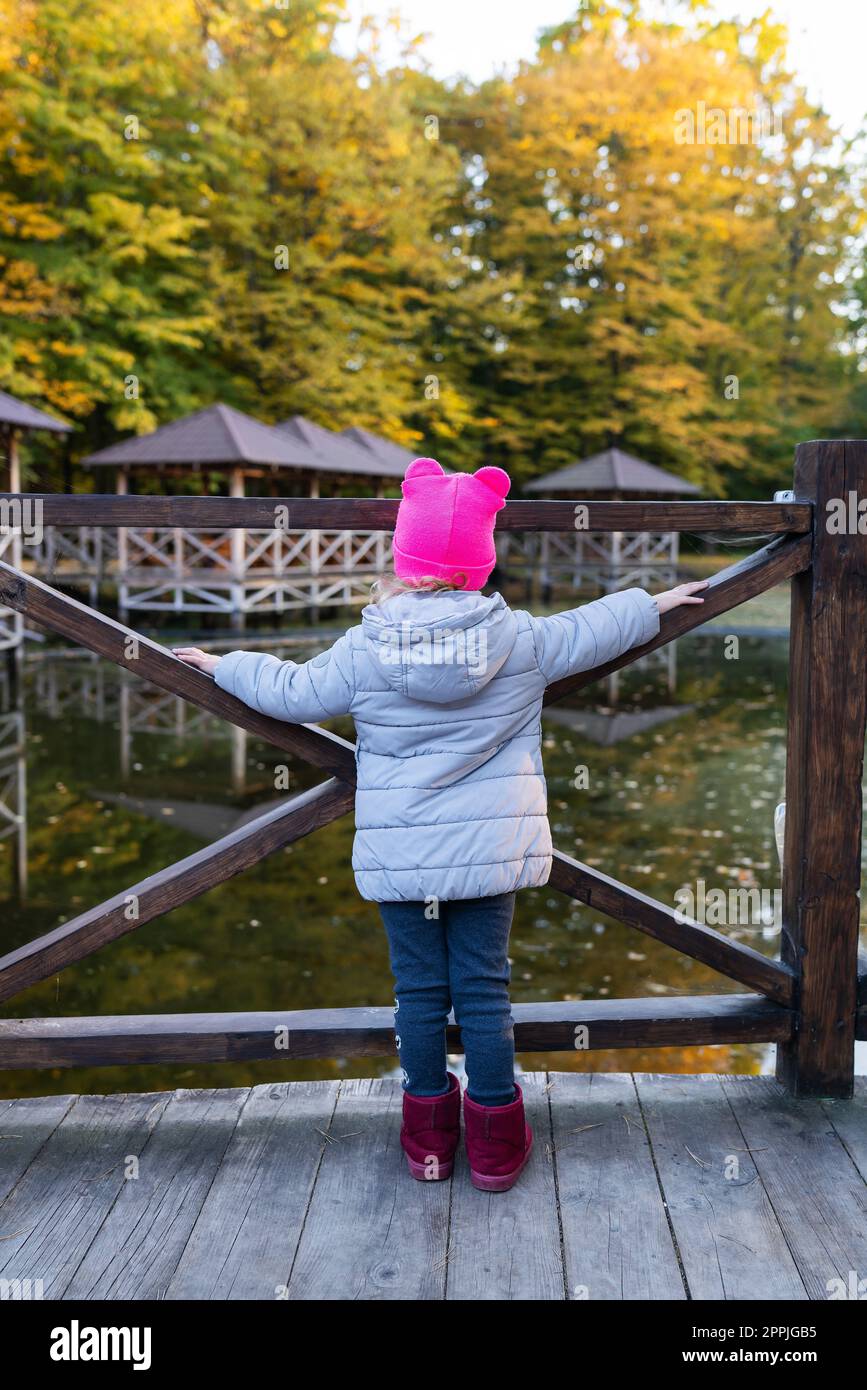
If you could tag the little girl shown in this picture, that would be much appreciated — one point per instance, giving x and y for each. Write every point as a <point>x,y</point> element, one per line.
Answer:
<point>445,686</point>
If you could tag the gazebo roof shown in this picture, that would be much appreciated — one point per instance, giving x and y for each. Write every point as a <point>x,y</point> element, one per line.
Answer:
<point>612,471</point>
<point>390,454</point>
<point>344,452</point>
<point>218,436</point>
<point>26,417</point>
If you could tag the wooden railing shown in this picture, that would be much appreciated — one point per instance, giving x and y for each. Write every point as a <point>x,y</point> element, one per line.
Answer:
<point>807,1002</point>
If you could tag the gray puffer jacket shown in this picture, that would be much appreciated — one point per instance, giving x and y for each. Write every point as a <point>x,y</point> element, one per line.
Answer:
<point>446,693</point>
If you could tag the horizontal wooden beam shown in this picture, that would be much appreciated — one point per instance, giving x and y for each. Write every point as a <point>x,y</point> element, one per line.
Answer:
<point>635,909</point>
<point>379,514</point>
<point>594,1025</point>
<point>169,888</point>
<point>49,608</point>
<point>773,564</point>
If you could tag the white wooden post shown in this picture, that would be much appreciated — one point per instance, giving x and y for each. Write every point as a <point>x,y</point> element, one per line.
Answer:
<point>239,556</point>
<point>314,557</point>
<point>122,488</point>
<point>381,551</point>
<point>13,621</point>
<point>613,578</point>
<point>178,538</point>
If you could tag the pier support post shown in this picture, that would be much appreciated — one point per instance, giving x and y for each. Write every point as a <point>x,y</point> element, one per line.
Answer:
<point>238,545</point>
<point>122,489</point>
<point>826,727</point>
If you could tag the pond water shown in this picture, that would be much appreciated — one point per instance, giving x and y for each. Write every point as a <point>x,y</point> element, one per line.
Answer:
<point>684,762</point>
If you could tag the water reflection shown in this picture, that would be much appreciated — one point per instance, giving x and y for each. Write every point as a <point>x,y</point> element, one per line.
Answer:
<point>13,778</point>
<point>682,777</point>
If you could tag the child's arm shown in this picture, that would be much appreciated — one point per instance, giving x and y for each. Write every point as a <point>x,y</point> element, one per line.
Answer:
<point>300,694</point>
<point>598,632</point>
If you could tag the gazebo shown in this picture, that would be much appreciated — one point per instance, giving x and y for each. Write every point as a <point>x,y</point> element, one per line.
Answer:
<point>351,455</point>
<point>617,559</point>
<point>385,450</point>
<point>612,474</point>
<point>238,572</point>
<point>17,418</point>
<point>288,459</point>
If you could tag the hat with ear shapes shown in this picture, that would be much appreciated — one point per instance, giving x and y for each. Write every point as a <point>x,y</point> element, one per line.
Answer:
<point>445,523</point>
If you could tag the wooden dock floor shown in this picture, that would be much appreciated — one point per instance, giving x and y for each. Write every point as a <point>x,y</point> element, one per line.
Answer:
<point>641,1187</point>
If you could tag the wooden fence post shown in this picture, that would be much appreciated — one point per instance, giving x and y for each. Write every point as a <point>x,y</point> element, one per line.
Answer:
<point>826,726</point>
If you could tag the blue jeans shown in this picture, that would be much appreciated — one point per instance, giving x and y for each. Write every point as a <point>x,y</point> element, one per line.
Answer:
<point>458,959</point>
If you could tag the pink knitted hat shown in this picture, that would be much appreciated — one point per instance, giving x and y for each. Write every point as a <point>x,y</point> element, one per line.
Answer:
<point>445,523</point>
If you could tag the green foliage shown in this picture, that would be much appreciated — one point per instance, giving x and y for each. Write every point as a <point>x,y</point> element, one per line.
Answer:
<point>204,199</point>
<point>644,273</point>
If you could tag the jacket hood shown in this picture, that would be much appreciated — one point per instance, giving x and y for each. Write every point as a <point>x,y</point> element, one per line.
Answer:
<point>440,646</point>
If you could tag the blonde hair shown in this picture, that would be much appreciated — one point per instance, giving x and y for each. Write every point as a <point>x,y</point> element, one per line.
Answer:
<point>387,585</point>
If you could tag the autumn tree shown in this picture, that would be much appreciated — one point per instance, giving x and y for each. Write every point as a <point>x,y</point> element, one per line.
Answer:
<point>205,199</point>
<point>675,297</point>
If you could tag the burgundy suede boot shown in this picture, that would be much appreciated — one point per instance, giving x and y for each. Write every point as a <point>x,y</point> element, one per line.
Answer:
<point>430,1132</point>
<point>499,1142</point>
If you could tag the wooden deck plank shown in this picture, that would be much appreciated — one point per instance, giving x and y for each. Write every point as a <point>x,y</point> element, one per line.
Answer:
<point>240,1195</point>
<point>505,1246</point>
<point>729,1240</point>
<point>25,1127</point>
<point>372,1231</point>
<point>616,1236</point>
<point>244,1240</point>
<point>52,1215</point>
<point>849,1118</point>
<point>140,1243</point>
<point>818,1194</point>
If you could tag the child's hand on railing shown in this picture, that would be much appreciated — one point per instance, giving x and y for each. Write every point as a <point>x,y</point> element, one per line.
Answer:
<point>683,593</point>
<point>193,656</point>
